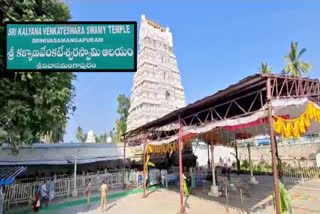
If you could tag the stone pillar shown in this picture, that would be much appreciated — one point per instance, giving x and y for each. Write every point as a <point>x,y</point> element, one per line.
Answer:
<point>214,192</point>
<point>68,187</point>
<point>106,176</point>
<point>166,177</point>
<point>252,178</point>
<point>83,179</point>
<point>75,192</point>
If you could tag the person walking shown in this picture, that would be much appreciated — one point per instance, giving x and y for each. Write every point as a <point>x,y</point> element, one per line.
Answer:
<point>51,189</point>
<point>104,191</point>
<point>185,187</point>
<point>89,191</point>
<point>229,166</point>
<point>44,193</point>
<point>36,205</point>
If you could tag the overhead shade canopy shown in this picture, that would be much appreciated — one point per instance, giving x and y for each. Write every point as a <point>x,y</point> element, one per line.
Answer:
<point>246,127</point>
<point>8,174</point>
<point>235,111</point>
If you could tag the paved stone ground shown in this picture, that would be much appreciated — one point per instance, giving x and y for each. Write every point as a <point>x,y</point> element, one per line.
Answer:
<point>305,200</point>
<point>157,202</point>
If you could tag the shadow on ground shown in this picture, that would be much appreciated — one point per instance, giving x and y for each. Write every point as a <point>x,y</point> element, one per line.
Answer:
<point>305,198</point>
<point>258,197</point>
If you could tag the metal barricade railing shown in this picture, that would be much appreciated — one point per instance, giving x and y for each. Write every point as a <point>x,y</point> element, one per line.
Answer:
<point>22,193</point>
<point>300,175</point>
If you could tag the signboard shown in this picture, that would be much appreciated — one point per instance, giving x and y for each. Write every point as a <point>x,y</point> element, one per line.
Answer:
<point>71,46</point>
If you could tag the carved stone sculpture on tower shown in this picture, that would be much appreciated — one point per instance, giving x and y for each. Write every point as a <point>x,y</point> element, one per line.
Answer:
<point>157,88</point>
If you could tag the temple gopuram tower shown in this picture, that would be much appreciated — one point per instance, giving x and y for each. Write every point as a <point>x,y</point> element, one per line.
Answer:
<point>157,88</point>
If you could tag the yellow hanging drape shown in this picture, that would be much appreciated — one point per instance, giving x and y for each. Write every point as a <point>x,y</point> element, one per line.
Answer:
<point>290,128</point>
<point>147,162</point>
<point>164,148</point>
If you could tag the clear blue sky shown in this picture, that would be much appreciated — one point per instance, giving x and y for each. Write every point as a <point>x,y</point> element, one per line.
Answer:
<point>216,44</point>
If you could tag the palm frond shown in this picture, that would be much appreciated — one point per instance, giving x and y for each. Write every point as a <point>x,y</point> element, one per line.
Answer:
<point>270,70</point>
<point>301,52</point>
<point>264,69</point>
<point>294,67</point>
<point>305,67</point>
<point>293,51</point>
<point>288,59</point>
<point>291,70</point>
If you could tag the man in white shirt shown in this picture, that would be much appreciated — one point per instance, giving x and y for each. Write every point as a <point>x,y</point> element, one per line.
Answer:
<point>51,189</point>
<point>229,166</point>
<point>164,179</point>
<point>44,193</point>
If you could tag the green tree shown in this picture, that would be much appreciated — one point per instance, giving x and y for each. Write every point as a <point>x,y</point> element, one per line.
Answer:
<point>118,131</point>
<point>54,135</point>
<point>103,137</point>
<point>34,105</point>
<point>123,111</point>
<point>3,136</point>
<point>111,134</point>
<point>80,136</point>
<point>264,69</point>
<point>34,10</point>
<point>294,66</point>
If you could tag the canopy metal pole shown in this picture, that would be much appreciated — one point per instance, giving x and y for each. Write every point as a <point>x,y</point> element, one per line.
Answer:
<point>214,192</point>
<point>124,154</point>
<point>144,164</point>
<point>124,164</point>
<point>182,210</point>
<point>208,156</point>
<point>213,166</point>
<point>237,158</point>
<point>75,193</point>
<point>273,148</point>
<point>252,178</point>
<point>250,161</point>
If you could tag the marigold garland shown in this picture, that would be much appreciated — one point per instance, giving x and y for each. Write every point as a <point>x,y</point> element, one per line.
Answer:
<point>164,148</point>
<point>290,128</point>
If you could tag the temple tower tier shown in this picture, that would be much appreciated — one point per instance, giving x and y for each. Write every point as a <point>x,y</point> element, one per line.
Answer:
<point>157,88</point>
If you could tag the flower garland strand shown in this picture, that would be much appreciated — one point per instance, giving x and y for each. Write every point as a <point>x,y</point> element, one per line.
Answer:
<point>290,128</point>
<point>164,148</point>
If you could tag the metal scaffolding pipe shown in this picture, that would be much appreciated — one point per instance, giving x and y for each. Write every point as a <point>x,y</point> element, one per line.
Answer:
<point>273,149</point>
<point>182,210</point>
<point>144,164</point>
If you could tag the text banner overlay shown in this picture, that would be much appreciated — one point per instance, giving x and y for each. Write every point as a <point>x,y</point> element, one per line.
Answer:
<point>71,46</point>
